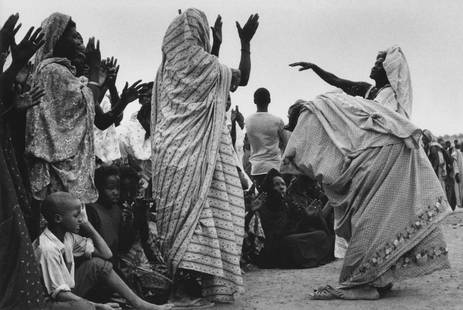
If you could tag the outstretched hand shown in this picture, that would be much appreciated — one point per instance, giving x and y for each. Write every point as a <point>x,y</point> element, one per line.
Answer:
<point>247,32</point>
<point>112,69</point>
<point>8,31</point>
<point>131,93</point>
<point>22,52</point>
<point>303,65</point>
<point>93,54</point>
<point>217,30</point>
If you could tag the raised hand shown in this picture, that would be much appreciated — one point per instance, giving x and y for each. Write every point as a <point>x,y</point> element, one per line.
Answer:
<point>29,99</point>
<point>8,32</point>
<point>93,54</point>
<point>31,42</point>
<point>217,30</point>
<point>239,117</point>
<point>303,65</point>
<point>247,32</point>
<point>131,93</point>
<point>112,69</point>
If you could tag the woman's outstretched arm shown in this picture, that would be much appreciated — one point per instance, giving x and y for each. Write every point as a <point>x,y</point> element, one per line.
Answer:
<point>350,87</point>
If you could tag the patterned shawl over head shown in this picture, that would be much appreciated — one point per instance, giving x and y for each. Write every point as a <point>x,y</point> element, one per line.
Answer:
<point>53,28</point>
<point>398,75</point>
<point>59,131</point>
<point>187,121</point>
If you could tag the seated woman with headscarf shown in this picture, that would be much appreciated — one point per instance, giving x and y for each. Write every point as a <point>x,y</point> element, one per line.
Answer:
<point>196,188</point>
<point>387,200</point>
<point>295,237</point>
<point>59,133</point>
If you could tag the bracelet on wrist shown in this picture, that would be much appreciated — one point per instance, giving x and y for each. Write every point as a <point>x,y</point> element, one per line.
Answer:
<point>94,84</point>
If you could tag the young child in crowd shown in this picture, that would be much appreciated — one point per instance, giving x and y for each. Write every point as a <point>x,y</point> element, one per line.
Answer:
<point>121,217</point>
<point>106,214</point>
<point>59,244</point>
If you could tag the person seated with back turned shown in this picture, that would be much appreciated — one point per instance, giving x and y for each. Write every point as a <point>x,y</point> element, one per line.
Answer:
<point>59,244</point>
<point>265,134</point>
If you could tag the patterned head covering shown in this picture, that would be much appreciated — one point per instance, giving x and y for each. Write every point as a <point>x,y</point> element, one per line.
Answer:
<point>398,74</point>
<point>190,28</point>
<point>53,28</point>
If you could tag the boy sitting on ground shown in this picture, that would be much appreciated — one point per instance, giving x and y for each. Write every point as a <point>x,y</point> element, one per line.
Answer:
<point>59,243</point>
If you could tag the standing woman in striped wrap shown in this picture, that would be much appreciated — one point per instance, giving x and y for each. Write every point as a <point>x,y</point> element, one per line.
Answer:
<point>196,188</point>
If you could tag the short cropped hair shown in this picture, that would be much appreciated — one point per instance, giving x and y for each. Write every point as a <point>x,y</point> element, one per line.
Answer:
<point>262,97</point>
<point>102,173</point>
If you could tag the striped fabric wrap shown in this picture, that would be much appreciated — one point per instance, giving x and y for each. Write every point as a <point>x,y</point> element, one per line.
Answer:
<point>196,188</point>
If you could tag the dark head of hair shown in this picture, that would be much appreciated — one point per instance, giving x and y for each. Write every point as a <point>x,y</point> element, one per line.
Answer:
<point>127,172</point>
<point>56,203</point>
<point>293,114</point>
<point>102,173</point>
<point>262,97</point>
<point>267,185</point>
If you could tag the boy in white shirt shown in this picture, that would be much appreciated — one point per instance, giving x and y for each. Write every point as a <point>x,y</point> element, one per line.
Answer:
<point>59,243</point>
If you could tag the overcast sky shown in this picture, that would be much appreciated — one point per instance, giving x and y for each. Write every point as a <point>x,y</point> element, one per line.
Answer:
<point>340,36</point>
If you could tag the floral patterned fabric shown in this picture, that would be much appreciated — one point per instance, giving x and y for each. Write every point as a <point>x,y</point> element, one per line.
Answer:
<point>59,132</point>
<point>20,285</point>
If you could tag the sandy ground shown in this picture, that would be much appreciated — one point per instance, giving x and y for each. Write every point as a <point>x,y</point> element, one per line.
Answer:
<point>289,289</point>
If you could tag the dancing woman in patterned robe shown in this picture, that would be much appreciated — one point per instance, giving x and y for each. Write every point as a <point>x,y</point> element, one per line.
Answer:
<point>387,200</point>
<point>196,188</point>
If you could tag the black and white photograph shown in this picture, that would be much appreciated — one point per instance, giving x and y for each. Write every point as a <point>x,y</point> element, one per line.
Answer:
<point>240,154</point>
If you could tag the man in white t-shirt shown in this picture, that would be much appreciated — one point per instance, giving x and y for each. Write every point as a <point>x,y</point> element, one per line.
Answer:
<point>265,135</point>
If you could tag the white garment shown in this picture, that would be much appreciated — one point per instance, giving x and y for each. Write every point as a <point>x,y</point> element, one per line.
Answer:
<point>398,74</point>
<point>264,132</point>
<point>458,169</point>
<point>106,141</point>
<point>56,259</point>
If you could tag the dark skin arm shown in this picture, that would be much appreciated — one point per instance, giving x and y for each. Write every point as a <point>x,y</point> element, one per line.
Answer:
<point>217,36</point>
<point>246,33</point>
<point>349,87</point>
<point>129,94</point>
<point>236,117</point>
<point>101,247</point>
<point>20,53</point>
<point>112,69</point>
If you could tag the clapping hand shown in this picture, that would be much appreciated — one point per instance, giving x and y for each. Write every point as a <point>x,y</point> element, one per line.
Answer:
<point>237,116</point>
<point>249,29</point>
<point>31,98</point>
<point>8,31</point>
<point>217,30</point>
<point>22,52</point>
<point>303,65</point>
<point>93,54</point>
<point>131,93</point>
<point>112,69</point>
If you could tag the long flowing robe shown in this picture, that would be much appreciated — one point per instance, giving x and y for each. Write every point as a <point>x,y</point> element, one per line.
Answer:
<point>59,132</point>
<point>20,286</point>
<point>196,188</point>
<point>458,169</point>
<point>387,199</point>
